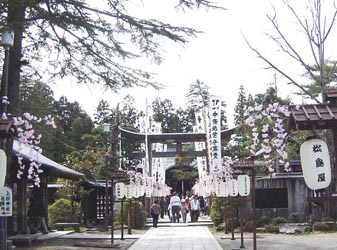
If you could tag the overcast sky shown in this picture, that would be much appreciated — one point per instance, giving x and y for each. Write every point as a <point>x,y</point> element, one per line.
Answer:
<point>219,57</point>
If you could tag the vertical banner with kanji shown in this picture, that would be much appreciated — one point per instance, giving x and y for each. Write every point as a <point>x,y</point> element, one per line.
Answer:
<point>215,134</point>
<point>6,202</point>
<point>200,146</point>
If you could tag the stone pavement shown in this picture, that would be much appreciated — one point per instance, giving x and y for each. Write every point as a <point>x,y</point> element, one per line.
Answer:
<point>177,237</point>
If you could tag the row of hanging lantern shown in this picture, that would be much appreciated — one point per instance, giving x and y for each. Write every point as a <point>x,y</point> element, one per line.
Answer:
<point>136,191</point>
<point>125,190</point>
<point>234,187</point>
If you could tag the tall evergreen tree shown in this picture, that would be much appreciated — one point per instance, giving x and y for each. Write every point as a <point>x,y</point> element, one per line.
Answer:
<point>241,105</point>
<point>129,113</point>
<point>164,112</point>
<point>38,99</point>
<point>86,39</point>
<point>75,123</point>
<point>103,112</point>
<point>198,95</point>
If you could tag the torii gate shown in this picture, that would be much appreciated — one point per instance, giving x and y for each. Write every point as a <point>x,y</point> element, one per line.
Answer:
<point>178,138</point>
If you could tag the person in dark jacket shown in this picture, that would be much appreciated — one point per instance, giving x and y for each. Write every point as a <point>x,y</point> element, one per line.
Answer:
<point>155,212</point>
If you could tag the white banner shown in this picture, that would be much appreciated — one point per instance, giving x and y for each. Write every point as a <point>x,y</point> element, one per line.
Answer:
<point>6,202</point>
<point>243,185</point>
<point>215,134</point>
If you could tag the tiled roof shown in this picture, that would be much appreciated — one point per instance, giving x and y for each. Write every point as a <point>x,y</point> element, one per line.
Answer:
<point>47,165</point>
<point>312,116</point>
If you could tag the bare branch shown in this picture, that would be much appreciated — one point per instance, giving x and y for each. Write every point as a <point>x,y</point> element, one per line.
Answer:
<point>292,81</point>
<point>296,55</point>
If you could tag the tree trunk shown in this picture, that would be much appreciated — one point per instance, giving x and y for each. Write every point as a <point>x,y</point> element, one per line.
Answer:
<point>16,20</point>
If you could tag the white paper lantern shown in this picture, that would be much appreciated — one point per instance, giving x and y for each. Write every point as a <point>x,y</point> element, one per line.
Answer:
<point>155,192</point>
<point>120,192</point>
<point>135,192</point>
<point>128,193</point>
<point>227,188</point>
<point>315,161</point>
<point>223,191</point>
<point>3,168</point>
<point>148,193</point>
<point>141,190</point>
<point>218,190</point>
<point>233,188</point>
<point>243,185</point>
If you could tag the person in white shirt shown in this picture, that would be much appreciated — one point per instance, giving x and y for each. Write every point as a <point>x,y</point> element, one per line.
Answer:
<point>175,206</point>
<point>195,208</point>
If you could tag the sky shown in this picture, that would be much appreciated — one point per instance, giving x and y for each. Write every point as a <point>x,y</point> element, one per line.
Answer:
<point>219,57</point>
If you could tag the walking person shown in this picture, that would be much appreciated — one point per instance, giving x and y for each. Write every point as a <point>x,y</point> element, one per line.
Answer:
<point>183,210</point>
<point>206,210</point>
<point>155,212</point>
<point>175,206</point>
<point>162,203</point>
<point>167,208</point>
<point>195,208</point>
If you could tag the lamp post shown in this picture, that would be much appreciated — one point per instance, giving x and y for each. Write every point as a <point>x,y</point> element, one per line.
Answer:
<point>106,129</point>
<point>7,41</point>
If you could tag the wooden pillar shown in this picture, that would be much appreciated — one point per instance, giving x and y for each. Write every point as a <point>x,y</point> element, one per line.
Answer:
<point>179,149</point>
<point>225,219</point>
<point>44,190</point>
<point>252,193</point>
<point>241,223</point>
<point>232,217</point>
<point>122,219</point>
<point>332,205</point>
<point>112,201</point>
<point>130,217</point>
<point>22,209</point>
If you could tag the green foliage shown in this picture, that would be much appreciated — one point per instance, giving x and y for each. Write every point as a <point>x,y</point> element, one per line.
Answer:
<point>279,220</point>
<point>85,162</point>
<point>248,226</point>
<point>64,210</point>
<point>264,220</point>
<point>294,218</point>
<point>321,77</point>
<point>322,227</point>
<point>270,228</point>
<point>217,210</point>
<point>198,97</point>
<point>220,227</point>
<point>106,36</point>
<point>138,215</point>
<point>102,112</point>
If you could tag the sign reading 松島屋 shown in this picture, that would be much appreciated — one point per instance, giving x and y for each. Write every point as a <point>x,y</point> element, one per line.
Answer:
<point>315,161</point>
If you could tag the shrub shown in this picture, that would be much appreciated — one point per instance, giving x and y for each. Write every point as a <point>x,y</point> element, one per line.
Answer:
<point>216,210</point>
<point>264,220</point>
<point>220,227</point>
<point>138,215</point>
<point>321,226</point>
<point>63,210</point>
<point>271,228</point>
<point>294,217</point>
<point>248,226</point>
<point>279,220</point>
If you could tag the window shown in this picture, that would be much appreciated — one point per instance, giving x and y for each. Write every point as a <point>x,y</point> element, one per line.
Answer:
<point>271,198</point>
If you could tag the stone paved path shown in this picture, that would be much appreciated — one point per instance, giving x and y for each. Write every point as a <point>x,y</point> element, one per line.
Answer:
<point>177,238</point>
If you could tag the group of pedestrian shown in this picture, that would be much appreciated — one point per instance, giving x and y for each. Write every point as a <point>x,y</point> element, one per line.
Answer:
<point>177,208</point>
